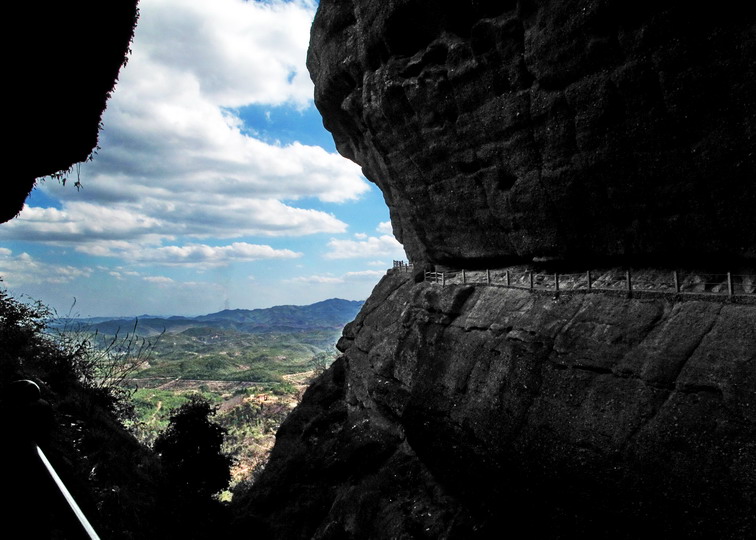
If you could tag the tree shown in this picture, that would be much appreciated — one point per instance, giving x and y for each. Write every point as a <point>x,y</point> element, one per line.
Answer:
<point>320,362</point>
<point>190,450</point>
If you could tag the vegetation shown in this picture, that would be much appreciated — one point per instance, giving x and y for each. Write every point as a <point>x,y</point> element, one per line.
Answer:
<point>153,408</point>
<point>190,451</point>
<point>231,355</point>
<point>126,413</point>
<point>254,378</point>
<point>112,476</point>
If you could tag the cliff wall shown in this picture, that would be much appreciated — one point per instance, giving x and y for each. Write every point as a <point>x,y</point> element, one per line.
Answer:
<point>501,132</point>
<point>570,129</point>
<point>474,412</point>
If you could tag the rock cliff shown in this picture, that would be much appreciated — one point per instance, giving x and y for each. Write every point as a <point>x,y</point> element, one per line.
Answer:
<point>500,132</point>
<point>61,67</point>
<point>571,129</point>
<point>476,412</point>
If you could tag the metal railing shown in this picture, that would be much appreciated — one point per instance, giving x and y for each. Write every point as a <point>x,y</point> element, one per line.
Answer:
<point>28,417</point>
<point>402,266</point>
<point>724,285</point>
<point>83,521</point>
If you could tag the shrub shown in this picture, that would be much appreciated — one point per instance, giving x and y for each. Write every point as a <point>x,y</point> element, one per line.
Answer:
<point>190,450</point>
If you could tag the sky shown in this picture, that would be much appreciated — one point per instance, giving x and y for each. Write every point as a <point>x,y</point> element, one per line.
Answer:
<point>215,185</point>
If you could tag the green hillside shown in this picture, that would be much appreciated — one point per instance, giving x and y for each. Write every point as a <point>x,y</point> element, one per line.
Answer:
<point>218,354</point>
<point>257,345</point>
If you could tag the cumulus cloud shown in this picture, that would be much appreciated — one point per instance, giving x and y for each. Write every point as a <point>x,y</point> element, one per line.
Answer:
<point>80,222</point>
<point>83,223</point>
<point>198,255</point>
<point>176,158</point>
<point>240,52</point>
<point>372,246</point>
<point>384,227</point>
<point>23,269</point>
<point>363,275</point>
<point>328,278</point>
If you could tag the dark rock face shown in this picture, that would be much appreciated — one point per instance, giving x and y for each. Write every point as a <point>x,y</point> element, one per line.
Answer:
<point>62,67</point>
<point>504,131</point>
<point>570,129</point>
<point>476,412</point>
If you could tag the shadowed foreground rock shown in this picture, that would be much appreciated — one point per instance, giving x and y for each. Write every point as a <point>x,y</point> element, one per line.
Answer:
<point>476,412</point>
<point>580,129</point>
<point>61,68</point>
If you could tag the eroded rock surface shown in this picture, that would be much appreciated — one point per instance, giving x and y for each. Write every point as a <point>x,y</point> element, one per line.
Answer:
<point>582,129</point>
<point>477,412</point>
<point>576,130</point>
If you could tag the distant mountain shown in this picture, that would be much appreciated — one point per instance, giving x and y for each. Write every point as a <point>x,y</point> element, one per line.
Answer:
<point>328,314</point>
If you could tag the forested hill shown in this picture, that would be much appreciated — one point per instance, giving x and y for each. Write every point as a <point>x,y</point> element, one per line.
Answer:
<point>333,313</point>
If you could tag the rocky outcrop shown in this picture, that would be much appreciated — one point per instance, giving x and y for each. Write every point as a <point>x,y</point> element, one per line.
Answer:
<point>476,412</point>
<point>582,129</point>
<point>561,131</point>
<point>62,66</point>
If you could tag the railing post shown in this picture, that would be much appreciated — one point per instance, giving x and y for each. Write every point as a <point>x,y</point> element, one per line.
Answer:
<point>729,284</point>
<point>464,277</point>
<point>588,275</point>
<point>556,282</point>
<point>443,279</point>
<point>531,281</point>
<point>508,282</point>
<point>488,276</point>
<point>677,281</point>
<point>629,282</point>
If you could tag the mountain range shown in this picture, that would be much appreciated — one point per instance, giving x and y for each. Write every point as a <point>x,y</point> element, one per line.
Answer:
<point>333,313</point>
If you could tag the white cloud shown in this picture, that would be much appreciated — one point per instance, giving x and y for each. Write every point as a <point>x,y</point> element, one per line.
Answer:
<point>363,275</point>
<point>83,223</point>
<point>241,52</point>
<point>328,278</point>
<point>160,280</point>
<point>79,222</point>
<point>373,246</point>
<point>23,269</point>
<point>176,159</point>
<point>384,227</point>
<point>383,264</point>
<point>198,255</point>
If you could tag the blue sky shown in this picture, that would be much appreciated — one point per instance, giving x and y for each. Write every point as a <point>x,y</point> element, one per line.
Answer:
<point>215,186</point>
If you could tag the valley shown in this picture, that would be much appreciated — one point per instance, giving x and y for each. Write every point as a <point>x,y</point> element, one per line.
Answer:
<point>253,365</point>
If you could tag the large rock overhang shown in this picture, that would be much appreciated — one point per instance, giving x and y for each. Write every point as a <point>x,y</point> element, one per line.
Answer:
<point>576,130</point>
<point>63,64</point>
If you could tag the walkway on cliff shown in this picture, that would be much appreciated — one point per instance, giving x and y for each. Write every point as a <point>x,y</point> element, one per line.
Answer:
<point>640,282</point>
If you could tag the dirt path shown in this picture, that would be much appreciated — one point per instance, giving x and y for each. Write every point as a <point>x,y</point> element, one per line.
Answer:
<point>158,406</point>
